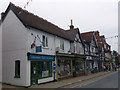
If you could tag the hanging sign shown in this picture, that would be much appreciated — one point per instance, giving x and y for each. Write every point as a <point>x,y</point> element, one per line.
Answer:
<point>38,48</point>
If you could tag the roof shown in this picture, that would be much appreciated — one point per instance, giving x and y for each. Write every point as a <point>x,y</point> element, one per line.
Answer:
<point>87,36</point>
<point>30,20</point>
<point>73,33</point>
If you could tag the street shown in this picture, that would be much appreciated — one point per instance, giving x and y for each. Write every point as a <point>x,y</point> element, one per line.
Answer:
<point>109,81</point>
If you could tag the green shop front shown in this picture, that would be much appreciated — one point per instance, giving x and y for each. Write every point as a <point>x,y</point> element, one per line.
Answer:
<point>41,68</point>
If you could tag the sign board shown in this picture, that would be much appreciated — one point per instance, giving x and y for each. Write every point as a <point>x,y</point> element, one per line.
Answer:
<point>40,57</point>
<point>54,66</point>
<point>38,48</point>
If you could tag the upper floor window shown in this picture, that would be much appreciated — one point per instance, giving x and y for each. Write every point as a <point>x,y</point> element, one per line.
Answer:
<point>61,44</point>
<point>45,41</point>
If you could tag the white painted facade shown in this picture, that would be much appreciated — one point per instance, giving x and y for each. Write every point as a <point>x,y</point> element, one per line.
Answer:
<point>17,42</point>
<point>77,47</point>
<point>14,43</point>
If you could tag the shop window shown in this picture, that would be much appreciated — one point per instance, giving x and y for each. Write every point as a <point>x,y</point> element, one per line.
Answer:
<point>64,68</point>
<point>46,69</point>
<point>17,69</point>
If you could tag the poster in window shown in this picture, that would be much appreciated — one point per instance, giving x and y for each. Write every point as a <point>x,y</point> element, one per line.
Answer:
<point>45,73</point>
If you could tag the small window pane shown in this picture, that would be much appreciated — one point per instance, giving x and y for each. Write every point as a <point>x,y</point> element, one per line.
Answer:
<point>46,42</point>
<point>43,40</point>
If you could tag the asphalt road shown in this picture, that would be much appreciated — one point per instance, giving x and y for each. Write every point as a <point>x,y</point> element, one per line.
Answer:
<point>110,81</point>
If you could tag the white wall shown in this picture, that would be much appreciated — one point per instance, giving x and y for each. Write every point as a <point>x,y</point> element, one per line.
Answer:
<point>79,49</point>
<point>53,42</point>
<point>14,43</point>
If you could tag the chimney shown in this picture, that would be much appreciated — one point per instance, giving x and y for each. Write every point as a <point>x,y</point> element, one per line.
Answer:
<point>71,26</point>
<point>97,33</point>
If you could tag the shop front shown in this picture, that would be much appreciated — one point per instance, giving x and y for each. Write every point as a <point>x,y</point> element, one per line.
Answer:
<point>64,67</point>
<point>89,64</point>
<point>69,65</point>
<point>41,68</point>
<point>78,66</point>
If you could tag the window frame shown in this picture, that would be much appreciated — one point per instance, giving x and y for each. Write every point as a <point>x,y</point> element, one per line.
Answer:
<point>44,41</point>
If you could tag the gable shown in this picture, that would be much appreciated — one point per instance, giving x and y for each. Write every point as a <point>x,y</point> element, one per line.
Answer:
<point>94,41</point>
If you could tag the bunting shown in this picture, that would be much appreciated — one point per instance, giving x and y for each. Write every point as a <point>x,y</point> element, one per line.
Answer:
<point>25,6</point>
<point>113,37</point>
<point>27,3</point>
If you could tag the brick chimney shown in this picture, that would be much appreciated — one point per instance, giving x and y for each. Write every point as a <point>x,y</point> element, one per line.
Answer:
<point>97,33</point>
<point>71,26</point>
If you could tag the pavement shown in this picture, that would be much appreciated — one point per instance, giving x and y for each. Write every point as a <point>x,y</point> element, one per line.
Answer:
<point>67,82</point>
<point>64,83</point>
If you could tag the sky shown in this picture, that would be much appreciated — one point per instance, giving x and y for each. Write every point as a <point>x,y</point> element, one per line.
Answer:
<point>87,15</point>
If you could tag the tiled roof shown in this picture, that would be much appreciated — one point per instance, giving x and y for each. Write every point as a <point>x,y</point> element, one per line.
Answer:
<point>72,33</point>
<point>31,20</point>
<point>87,37</point>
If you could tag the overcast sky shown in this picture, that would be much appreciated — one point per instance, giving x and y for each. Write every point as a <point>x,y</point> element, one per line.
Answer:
<point>87,15</point>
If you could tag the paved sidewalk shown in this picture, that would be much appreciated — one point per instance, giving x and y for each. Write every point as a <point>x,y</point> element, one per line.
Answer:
<point>70,81</point>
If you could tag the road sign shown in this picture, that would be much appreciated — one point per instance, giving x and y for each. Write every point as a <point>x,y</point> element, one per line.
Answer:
<point>54,66</point>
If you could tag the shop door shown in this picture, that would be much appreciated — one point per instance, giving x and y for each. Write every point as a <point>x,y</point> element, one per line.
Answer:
<point>34,73</point>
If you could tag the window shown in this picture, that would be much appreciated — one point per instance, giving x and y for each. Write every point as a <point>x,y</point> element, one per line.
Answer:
<point>17,69</point>
<point>62,45</point>
<point>46,69</point>
<point>45,41</point>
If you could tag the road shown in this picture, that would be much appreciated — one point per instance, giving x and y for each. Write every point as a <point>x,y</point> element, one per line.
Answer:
<point>109,81</point>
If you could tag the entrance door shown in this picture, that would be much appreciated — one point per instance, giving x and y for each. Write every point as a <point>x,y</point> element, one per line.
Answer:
<point>34,73</point>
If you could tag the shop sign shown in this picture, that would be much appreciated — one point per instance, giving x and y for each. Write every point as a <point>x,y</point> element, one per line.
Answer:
<point>40,57</point>
<point>38,48</point>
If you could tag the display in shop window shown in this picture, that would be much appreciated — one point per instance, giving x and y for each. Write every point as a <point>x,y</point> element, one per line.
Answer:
<point>45,73</point>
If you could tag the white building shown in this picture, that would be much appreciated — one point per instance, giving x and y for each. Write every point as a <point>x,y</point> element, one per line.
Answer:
<point>29,48</point>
